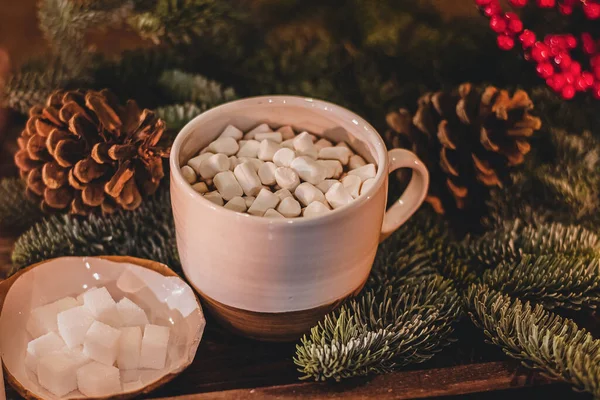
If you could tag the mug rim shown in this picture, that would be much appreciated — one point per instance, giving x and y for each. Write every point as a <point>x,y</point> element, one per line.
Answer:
<point>357,120</point>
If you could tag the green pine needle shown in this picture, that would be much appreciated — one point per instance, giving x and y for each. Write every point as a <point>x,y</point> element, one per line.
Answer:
<point>147,232</point>
<point>539,338</point>
<point>182,87</point>
<point>17,211</point>
<point>177,115</point>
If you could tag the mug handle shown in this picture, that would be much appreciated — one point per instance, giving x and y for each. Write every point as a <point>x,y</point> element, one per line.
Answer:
<point>412,197</point>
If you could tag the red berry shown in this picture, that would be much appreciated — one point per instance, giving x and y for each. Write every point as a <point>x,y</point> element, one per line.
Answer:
<point>596,90</point>
<point>575,68</point>
<point>588,43</point>
<point>545,70</point>
<point>505,42</point>
<point>546,3</point>
<point>482,3</point>
<point>554,40</point>
<point>498,24</point>
<point>591,10</point>
<point>562,60</point>
<point>539,52</point>
<point>589,78</point>
<point>570,41</point>
<point>515,25</point>
<point>568,92</point>
<point>569,78</point>
<point>581,84</point>
<point>565,10</point>
<point>518,3</point>
<point>597,71</point>
<point>558,81</point>
<point>492,9</point>
<point>527,38</point>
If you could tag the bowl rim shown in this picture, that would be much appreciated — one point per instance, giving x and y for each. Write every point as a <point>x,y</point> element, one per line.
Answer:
<point>155,266</point>
<point>177,180</point>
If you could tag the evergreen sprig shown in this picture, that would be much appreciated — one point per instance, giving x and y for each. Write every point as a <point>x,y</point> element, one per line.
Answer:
<point>539,338</point>
<point>177,115</point>
<point>17,211</point>
<point>147,232</point>
<point>180,87</point>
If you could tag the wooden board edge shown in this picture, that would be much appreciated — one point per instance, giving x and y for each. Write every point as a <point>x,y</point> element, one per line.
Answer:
<point>459,380</point>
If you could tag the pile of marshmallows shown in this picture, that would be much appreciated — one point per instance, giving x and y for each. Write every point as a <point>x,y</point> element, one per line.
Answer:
<point>77,342</point>
<point>278,174</point>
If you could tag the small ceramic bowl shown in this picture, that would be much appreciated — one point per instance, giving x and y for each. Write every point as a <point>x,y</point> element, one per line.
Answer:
<point>165,297</point>
<point>273,279</point>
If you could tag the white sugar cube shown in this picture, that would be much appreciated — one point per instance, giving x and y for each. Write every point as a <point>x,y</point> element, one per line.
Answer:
<point>272,136</point>
<point>307,193</point>
<point>41,347</point>
<point>286,132</point>
<point>236,204</point>
<point>101,343</point>
<point>249,149</point>
<point>214,197</point>
<point>266,173</point>
<point>365,172</point>
<point>130,313</point>
<point>263,202</point>
<point>79,298</point>
<point>188,174</point>
<point>352,184</point>
<point>98,380</point>
<point>366,185</point>
<point>259,129</point>
<point>272,213</point>
<point>224,145</point>
<point>102,306</point>
<point>57,372</point>
<point>73,325</point>
<point>154,347</point>
<point>315,209</point>
<point>232,131</point>
<point>356,161</point>
<point>267,150</point>
<point>227,185</point>
<point>289,207</point>
<point>130,344</point>
<point>337,196</point>
<point>43,319</point>
<point>77,355</point>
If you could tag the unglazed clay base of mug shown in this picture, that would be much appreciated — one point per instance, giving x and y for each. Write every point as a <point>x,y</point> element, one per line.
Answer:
<point>270,327</point>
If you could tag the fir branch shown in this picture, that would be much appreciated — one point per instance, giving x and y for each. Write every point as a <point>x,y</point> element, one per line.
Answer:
<point>539,338</point>
<point>182,87</point>
<point>408,324</point>
<point>177,115</point>
<point>17,211</point>
<point>554,281</point>
<point>147,232</point>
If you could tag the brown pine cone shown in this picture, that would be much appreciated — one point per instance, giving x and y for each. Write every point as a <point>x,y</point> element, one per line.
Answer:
<point>84,151</point>
<point>468,139</point>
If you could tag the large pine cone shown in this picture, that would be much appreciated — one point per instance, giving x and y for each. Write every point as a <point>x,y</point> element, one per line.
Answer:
<point>468,139</point>
<point>84,151</point>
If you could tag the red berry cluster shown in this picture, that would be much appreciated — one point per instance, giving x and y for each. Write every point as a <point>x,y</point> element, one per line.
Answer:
<point>552,55</point>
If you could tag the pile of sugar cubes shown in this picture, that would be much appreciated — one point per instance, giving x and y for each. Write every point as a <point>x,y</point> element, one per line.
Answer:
<point>85,343</point>
<point>278,174</point>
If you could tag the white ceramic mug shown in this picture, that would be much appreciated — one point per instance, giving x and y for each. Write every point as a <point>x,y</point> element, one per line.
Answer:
<point>255,266</point>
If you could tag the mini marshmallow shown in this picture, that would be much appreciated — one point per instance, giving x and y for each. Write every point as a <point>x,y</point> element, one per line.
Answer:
<point>304,146</point>
<point>289,207</point>
<point>287,132</point>
<point>214,197</point>
<point>315,209</point>
<point>259,129</point>
<point>188,174</point>
<point>352,184</point>
<point>356,161</point>
<point>233,162</point>
<point>337,196</point>
<point>321,143</point>
<point>249,200</point>
<point>263,202</point>
<point>225,145</point>
<point>365,172</point>
<point>284,157</point>
<point>233,132</point>
<point>309,170</point>
<point>367,185</point>
<point>326,184</point>
<point>248,178</point>
<point>213,165</point>
<point>236,204</point>
<point>288,144</point>
<point>287,178</point>
<point>266,173</point>
<point>227,185</point>
<point>271,213</point>
<point>334,168</point>
<point>200,187</point>
<point>343,144</point>
<point>342,154</point>
<point>272,136</point>
<point>255,162</point>
<point>283,193</point>
<point>197,161</point>
<point>249,149</point>
<point>267,150</point>
<point>307,193</point>
<point>242,142</point>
